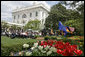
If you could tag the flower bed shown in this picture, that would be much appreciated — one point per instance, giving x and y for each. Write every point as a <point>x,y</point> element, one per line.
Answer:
<point>52,48</point>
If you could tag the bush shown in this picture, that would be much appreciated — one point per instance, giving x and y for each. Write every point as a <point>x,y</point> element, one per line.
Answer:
<point>77,24</point>
<point>64,39</point>
<point>50,38</point>
<point>30,44</point>
<point>53,37</point>
<point>46,37</point>
<point>37,36</point>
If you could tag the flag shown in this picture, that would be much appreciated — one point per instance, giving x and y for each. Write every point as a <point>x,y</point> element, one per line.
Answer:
<point>71,29</point>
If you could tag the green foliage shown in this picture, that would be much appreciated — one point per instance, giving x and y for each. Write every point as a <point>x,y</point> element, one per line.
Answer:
<point>53,38</point>
<point>37,36</point>
<point>7,41</point>
<point>65,39</point>
<point>73,18</point>
<point>34,24</point>
<point>77,25</point>
<point>77,19</point>
<point>13,45</point>
<point>5,50</point>
<point>14,27</point>
<point>50,38</point>
<point>46,37</point>
<point>4,24</point>
<point>58,13</point>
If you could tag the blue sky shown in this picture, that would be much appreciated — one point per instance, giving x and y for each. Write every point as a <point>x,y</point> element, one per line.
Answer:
<point>8,6</point>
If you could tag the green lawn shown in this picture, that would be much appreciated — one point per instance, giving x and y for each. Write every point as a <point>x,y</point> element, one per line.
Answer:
<point>7,41</point>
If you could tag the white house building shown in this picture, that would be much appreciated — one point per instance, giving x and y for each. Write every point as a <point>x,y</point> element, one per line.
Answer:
<point>36,11</point>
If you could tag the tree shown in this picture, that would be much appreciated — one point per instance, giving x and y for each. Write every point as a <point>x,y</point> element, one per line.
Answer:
<point>4,24</point>
<point>75,24</point>
<point>34,24</point>
<point>14,27</point>
<point>58,13</point>
<point>79,14</point>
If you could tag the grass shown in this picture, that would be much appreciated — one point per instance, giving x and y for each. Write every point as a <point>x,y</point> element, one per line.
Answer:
<point>7,41</point>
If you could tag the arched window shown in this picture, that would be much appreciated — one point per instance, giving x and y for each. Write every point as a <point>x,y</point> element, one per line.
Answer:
<point>24,16</point>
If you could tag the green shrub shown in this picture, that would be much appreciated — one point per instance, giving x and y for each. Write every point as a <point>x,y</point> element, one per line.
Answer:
<point>50,38</point>
<point>37,36</point>
<point>46,37</point>
<point>53,37</point>
<point>64,39</point>
<point>30,44</point>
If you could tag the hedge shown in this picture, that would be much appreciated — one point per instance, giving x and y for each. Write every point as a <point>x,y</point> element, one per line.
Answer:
<point>50,38</point>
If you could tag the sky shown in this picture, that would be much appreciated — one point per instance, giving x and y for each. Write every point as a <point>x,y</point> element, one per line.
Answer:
<point>8,6</point>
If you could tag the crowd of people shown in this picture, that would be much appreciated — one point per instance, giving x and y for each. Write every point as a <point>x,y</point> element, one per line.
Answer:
<point>19,33</point>
<point>27,33</point>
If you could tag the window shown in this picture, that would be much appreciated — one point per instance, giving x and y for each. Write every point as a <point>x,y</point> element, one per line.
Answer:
<point>30,14</point>
<point>18,16</point>
<point>36,13</point>
<point>24,16</point>
<point>14,17</point>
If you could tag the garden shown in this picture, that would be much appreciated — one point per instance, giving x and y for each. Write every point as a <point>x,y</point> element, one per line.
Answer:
<point>63,34</point>
<point>50,46</point>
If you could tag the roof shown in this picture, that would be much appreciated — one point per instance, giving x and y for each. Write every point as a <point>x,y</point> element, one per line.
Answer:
<point>32,6</point>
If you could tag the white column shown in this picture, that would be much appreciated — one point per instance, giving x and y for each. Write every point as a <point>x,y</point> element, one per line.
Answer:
<point>40,18</point>
<point>40,15</point>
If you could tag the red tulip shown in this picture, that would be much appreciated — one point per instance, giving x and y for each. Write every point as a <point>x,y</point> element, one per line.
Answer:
<point>67,52</point>
<point>78,52</point>
<point>67,44</point>
<point>75,46</point>
<point>44,46</point>
<point>64,49</point>
<point>59,51</point>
